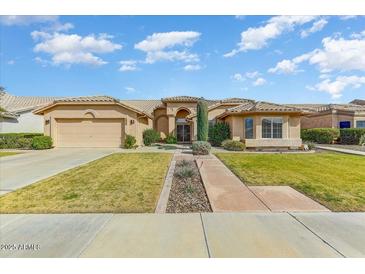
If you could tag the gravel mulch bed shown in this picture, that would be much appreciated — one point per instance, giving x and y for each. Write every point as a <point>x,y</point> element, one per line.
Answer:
<point>187,191</point>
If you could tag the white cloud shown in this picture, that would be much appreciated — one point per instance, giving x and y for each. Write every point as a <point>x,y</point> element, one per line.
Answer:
<point>130,90</point>
<point>128,65</point>
<point>175,55</point>
<point>259,82</point>
<point>162,46</point>
<point>72,48</point>
<point>285,66</point>
<point>238,77</point>
<point>347,17</point>
<point>252,74</point>
<point>191,67</point>
<point>164,40</point>
<point>20,20</point>
<point>337,54</point>
<point>59,27</point>
<point>11,62</point>
<point>257,38</point>
<point>336,87</point>
<point>317,26</point>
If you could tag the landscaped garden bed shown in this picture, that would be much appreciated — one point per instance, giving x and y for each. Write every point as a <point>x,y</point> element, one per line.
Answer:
<point>120,183</point>
<point>187,192</point>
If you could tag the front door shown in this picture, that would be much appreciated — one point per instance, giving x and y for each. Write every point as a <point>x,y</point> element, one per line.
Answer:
<point>183,133</point>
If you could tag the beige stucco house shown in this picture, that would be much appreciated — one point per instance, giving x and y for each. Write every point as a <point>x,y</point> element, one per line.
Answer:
<point>350,115</point>
<point>103,121</point>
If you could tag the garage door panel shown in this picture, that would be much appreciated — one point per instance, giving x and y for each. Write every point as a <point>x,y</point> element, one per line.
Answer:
<point>90,133</point>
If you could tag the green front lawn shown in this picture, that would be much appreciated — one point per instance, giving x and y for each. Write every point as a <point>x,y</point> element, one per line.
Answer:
<point>121,182</point>
<point>5,153</point>
<point>335,180</point>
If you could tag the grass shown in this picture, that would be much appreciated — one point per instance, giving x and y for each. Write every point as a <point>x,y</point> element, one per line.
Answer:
<point>5,153</point>
<point>121,182</point>
<point>335,180</point>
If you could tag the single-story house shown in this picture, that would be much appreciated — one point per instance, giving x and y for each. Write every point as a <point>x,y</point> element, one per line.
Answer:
<point>350,115</point>
<point>16,113</point>
<point>103,121</point>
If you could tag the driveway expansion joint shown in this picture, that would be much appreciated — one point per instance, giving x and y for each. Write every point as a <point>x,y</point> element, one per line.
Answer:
<point>205,236</point>
<point>315,234</point>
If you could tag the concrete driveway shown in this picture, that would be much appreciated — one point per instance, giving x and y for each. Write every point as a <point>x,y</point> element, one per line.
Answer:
<point>24,169</point>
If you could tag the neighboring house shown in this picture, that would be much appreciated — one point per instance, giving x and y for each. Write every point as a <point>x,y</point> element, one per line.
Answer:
<point>358,102</point>
<point>16,115</point>
<point>103,121</point>
<point>333,115</point>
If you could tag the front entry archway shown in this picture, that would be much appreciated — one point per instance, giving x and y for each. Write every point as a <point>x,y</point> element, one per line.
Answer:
<point>183,127</point>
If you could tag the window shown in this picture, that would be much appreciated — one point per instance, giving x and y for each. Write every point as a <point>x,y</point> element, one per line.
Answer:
<point>345,124</point>
<point>360,124</point>
<point>248,128</point>
<point>272,128</point>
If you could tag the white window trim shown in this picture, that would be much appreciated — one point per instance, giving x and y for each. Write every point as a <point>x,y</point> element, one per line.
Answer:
<point>272,128</point>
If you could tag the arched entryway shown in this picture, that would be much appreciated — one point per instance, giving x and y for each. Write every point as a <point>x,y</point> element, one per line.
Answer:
<point>183,126</point>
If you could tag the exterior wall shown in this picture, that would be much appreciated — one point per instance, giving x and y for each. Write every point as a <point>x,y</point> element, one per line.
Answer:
<point>359,117</point>
<point>161,122</point>
<point>317,121</point>
<point>291,130</point>
<point>133,125</point>
<point>26,122</point>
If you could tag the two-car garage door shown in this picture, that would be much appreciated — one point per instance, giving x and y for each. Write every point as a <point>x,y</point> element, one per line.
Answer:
<point>90,132</point>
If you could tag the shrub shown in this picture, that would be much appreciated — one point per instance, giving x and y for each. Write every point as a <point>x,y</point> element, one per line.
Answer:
<point>201,148</point>
<point>310,145</point>
<point>233,145</point>
<point>351,136</point>
<point>171,139</point>
<point>150,136</point>
<point>202,120</point>
<point>185,172</point>
<point>130,141</point>
<point>42,142</point>
<point>17,140</point>
<point>25,143</point>
<point>320,135</point>
<point>362,140</point>
<point>183,163</point>
<point>218,133</point>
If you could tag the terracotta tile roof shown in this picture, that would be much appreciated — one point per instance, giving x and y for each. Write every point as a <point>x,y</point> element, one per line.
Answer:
<point>97,98</point>
<point>262,107</point>
<point>147,106</point>
<point>14,104</point>
<point>326,107</point>
<point>358,102</point>
<point>180,99</point>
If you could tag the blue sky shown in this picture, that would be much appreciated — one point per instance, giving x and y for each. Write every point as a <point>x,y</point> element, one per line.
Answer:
<point>284,59</point>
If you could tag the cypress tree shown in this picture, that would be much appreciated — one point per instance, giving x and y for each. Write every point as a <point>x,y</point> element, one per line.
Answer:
<point>202,120</point>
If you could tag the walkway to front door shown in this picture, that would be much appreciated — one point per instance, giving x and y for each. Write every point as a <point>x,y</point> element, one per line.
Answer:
<point>183,133</point>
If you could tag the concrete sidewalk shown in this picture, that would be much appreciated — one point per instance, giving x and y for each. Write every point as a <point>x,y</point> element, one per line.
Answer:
<point>184,235</point>
<point>342,150</point>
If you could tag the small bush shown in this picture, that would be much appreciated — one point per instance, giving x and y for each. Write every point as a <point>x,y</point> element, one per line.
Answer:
<point>201,148</point>
<point>25,143</point>
<point>362,140</point>
<point>171,139</point>
<point>185,173</point>
<point>320,135</point>
<point>130,141</point>
<point>351,136</point>
<point>42,142</point>
<point>150,136</point>
<point>310,145</point>
<point>218,133</point>
<point>233,145</point>
<point>183,163</point>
